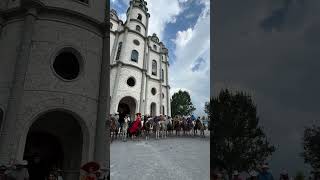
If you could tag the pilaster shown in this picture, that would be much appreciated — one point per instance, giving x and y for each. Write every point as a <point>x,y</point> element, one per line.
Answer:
<point>8,141</point>
<point>114,48</point>
<point>102,150</point>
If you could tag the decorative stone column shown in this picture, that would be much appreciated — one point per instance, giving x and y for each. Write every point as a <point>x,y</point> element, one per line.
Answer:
<point>160,70</point>
<point>167,87</point>
<point>119,62</point>
<point>143,73</point>
<point>102,141</point>
<point>114,48</point>
<point>8,139</point>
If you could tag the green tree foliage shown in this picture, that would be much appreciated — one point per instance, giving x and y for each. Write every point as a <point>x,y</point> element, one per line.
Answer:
<point>311,146</point>
<point>237,141</point>
<point>207,108</point>
<point>181,104</point>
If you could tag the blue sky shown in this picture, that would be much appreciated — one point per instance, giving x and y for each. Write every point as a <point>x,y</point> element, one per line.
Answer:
<point>184,27</point>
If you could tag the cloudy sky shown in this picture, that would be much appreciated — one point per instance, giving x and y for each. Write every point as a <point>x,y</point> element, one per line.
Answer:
<point>270,48</point>
<point>184,27</point>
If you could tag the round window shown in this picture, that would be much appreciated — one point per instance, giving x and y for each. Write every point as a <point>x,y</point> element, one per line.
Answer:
<point>136,42</point>
<point>153,91</point>
<point>131,81</point>
<point>67,66</point>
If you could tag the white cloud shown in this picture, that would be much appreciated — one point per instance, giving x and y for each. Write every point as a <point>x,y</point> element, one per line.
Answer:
<point>123,17</point>
<point>161,13</point>
<point>183,37</point>
<point>192,44</point>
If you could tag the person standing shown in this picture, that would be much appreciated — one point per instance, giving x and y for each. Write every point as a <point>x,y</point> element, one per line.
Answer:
<point>121,119</point>
<point>134,129</point>
<point>265,174</point>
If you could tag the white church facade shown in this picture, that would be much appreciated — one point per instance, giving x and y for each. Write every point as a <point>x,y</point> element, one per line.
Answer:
<point>139,65</point>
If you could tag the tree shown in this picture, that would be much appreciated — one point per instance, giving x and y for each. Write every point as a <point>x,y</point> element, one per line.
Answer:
<point>237,140</point>
<point>207,107</point>
<point>181,104</point>
<point>311,146</point>
<point>207,110</point>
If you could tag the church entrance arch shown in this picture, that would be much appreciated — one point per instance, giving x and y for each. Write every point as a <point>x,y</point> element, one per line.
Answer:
<point>127,106</point>
<point>54,140</point>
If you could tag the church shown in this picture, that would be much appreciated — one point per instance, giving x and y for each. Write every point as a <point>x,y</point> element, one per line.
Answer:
<point>54,84</point>
<point>139,65</point>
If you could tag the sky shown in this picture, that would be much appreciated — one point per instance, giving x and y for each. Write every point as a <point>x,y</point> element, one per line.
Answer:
<point>184,27</point>
<point>270,49</point>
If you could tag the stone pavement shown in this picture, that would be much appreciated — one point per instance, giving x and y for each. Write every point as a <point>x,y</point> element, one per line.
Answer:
<point>174,158</point>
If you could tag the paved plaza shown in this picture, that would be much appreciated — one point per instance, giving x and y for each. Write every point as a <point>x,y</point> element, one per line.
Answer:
<point>174,158</point>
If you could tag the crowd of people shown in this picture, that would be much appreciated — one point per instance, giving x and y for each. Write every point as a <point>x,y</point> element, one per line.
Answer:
<point>121,122</point>
<point>260,173</point>
<point>20,171</point>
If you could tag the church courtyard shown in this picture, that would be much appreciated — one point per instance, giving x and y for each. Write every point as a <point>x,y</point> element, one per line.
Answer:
<point>174,158</point>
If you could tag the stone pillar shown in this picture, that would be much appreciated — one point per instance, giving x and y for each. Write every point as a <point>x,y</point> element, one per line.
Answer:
<point>160,73</point>
<point>114,48</point>
<point>8,141</point>
<point>144,71</point>
<point>102,150</point>
<point>116,82</point>
<point>167,83</point>
<point>147,79</point>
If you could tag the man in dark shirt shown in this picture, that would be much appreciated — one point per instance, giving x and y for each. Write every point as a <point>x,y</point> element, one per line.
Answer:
<point>121,119</point>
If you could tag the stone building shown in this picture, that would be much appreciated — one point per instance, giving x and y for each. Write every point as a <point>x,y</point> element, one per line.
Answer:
<point>139,65</point>
<point>54,91</point>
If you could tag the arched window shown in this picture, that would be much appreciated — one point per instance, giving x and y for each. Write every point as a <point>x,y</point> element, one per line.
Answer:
<point>134,56</point>
<point>119,51</point>
<point>163,110</point>
<point>138,28</point>
<point>154,67</point>
<point>1,117</point>
<point>139,17</point>
<point>111,25</point>
<point>162,75</point>
<point>154,47</point>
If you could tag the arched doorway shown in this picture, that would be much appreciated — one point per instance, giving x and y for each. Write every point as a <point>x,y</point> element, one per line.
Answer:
<point>54,140</point>
<point>127,106</point>
<point>153,109</point>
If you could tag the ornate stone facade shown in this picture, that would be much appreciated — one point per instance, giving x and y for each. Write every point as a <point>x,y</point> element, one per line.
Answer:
<point>43,43</point>
<point>143,58</point>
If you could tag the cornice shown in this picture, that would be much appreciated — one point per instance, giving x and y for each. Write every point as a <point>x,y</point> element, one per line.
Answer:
<point>126,64</point>
<point>41,8</point>
<point>135,32</point>
<point>136,20</point>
